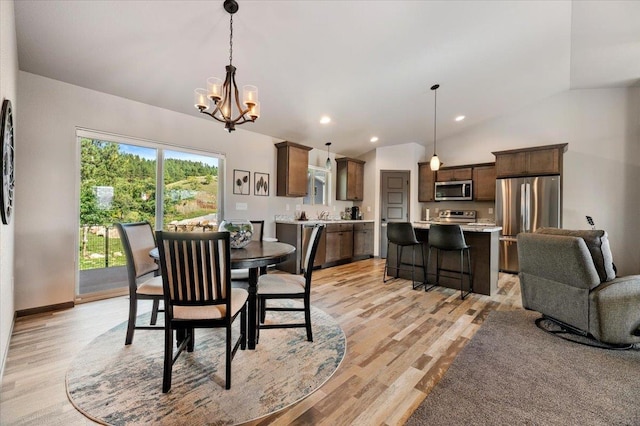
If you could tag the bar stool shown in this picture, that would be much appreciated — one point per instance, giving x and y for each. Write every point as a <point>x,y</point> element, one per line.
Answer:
<point>450,238</point>
<point>402,235</point>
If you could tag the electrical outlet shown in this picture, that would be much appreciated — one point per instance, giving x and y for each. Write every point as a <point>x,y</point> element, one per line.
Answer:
<point>334,208</point>
<point>437,210</point>
<point>298,207</point>
<point>288,207</point>
<point>490,210</point>
<point>241,206</point>
<point>369,209</point>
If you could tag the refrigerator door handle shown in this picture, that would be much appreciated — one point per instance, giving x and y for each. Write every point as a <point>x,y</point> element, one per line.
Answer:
<point>528,207</point>
<point>523,207</point>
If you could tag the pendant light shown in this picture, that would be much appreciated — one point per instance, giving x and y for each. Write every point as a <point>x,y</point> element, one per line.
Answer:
<point>328,162</point>
<point>225,96</point>
<point>435,161</point>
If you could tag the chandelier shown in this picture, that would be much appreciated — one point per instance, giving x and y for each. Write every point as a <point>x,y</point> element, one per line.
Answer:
<point>435,161</point>
<point>225,96</point>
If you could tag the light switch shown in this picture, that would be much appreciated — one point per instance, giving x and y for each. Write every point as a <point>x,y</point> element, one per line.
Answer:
<point>490,210</point>
<point>241,206</point>
<point>369,209</point>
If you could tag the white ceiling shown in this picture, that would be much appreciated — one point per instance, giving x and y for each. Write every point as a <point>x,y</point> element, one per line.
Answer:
<point>367,64</point>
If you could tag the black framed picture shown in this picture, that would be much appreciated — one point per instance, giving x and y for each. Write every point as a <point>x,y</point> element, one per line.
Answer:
<point>241,182</point>
<point>261,184</point>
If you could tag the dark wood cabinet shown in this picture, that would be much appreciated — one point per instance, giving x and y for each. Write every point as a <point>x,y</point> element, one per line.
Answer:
<point>293,163</point>
<point>426,181</point>
<point>350,182</point>
<point>450,174</point>
<point>535,161</point>
<point>484,183</point>
<point>339,242</point>
<point>363,239</point>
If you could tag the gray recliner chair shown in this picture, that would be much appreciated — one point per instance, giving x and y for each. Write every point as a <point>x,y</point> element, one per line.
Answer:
<point>568,276</point>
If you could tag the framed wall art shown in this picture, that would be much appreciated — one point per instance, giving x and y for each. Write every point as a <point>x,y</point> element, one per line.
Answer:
<point>241,182</point>
<point>6,145</point>
<point>261,184</point>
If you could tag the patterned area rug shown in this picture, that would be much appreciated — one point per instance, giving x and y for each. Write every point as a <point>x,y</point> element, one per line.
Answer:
<point>122,385</point>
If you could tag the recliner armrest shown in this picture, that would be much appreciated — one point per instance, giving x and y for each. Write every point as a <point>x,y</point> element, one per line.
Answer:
<point>614,315</point>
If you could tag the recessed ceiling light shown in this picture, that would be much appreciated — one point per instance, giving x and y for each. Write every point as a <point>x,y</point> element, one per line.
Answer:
<point>460,118</point>
<point>374,139</point>
<point>325,119</point>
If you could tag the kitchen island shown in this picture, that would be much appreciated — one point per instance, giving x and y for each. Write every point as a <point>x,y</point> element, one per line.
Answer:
<point>483,240</point>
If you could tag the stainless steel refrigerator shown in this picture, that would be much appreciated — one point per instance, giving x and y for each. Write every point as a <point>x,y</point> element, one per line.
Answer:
<point>524,205</point>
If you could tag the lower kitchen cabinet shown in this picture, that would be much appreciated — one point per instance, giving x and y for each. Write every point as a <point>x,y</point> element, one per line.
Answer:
<point>363,240</point>
<point>339,243</point>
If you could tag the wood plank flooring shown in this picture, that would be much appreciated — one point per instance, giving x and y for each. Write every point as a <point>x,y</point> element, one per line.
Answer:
<point>399,344</point>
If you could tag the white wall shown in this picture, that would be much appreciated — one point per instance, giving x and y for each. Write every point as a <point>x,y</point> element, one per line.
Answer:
<point>601,166</point>
<point>8,90</point>
<point>398,158</point>
<point>47,174</point>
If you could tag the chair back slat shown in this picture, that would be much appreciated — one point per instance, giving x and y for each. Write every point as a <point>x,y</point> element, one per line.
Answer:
<point>195,267</point>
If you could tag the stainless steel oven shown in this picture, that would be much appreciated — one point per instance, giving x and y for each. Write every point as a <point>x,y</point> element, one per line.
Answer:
<point>454,190</point>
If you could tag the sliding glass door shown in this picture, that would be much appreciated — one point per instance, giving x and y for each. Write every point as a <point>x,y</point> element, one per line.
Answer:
<point>131,182</point>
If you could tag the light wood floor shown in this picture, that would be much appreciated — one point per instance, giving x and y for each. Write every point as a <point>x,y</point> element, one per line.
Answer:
<point>399,344</point>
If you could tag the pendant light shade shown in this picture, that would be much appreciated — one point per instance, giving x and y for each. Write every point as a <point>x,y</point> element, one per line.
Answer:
<point>328,162</point>
<point>435,161</point>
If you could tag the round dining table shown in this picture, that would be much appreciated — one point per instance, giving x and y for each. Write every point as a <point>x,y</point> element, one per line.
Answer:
<point>255,255</point>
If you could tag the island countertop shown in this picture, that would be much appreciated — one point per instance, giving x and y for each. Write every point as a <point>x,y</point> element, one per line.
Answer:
<point>465,226</point>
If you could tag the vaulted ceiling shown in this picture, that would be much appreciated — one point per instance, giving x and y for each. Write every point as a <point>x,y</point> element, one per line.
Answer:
<point>367,64</point>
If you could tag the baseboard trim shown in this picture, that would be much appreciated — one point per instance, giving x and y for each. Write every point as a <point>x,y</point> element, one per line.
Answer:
<point>43,309</point>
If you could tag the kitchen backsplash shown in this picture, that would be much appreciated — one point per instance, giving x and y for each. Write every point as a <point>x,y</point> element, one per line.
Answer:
<point>485,209</point>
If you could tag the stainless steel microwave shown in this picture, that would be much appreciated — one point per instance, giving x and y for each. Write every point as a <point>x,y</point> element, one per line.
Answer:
<point>454,190</point>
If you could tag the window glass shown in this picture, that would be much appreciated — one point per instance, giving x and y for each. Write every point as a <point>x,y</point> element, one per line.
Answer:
<point>317,186</point>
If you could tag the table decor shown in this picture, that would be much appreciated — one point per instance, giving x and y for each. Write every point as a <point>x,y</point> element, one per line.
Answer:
<point>240,231</point>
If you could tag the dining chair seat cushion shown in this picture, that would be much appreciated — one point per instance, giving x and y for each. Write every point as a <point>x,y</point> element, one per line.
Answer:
<point>281,284</point>
<point>238,299</point>
<point>152,287</point>
<point>239,274</point>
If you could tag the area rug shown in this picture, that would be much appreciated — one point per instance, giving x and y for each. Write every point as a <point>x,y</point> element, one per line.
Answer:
<point>513,373</point>
<point>122,385</point>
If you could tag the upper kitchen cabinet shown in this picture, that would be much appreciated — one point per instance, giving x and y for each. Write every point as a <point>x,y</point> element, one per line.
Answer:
<point>350,184</point>
<point>451,174</point>
<point>426,181</point>
<point>535,161</point>
<point>484,182</point>
<point>293,161</point>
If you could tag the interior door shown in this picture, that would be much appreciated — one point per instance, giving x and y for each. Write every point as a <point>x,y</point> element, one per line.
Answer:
<point>394,204</point>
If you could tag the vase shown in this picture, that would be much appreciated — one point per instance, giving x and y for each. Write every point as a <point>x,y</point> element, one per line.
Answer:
<point>240,231</point>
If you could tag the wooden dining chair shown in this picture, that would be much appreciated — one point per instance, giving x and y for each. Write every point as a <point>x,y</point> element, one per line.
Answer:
<point>289,286</point>
<point>196,274</point>
<point>242,275</point>
<point>145,282</point>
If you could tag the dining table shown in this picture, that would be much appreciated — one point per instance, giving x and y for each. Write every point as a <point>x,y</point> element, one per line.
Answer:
<point>253,256</point>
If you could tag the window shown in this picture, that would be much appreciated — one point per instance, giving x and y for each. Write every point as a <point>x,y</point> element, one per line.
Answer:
<point>318,184</point>
<point>123,180</point>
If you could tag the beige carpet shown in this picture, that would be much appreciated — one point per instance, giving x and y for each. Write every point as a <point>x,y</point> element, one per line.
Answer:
<point>513,373</point>
<point>122,385</point>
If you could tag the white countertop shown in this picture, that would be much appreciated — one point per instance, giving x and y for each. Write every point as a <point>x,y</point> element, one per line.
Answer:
<point>480,227</point>
<point>302,222</point>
